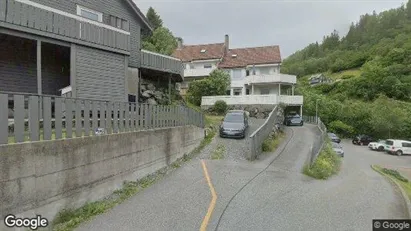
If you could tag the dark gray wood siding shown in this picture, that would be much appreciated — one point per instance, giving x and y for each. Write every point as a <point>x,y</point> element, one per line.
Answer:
<point>18,67</point>
<point>100,75</point>
<point>118,8</point>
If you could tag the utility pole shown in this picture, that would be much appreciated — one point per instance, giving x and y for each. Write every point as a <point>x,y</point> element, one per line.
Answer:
<point>316,110</point>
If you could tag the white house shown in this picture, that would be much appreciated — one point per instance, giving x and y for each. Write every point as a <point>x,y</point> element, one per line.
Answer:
<point>255,73</point>
<point>199,60</point>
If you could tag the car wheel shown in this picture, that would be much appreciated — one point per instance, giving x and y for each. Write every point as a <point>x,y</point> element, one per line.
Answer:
<point>353,142</point>
<point>380,148</point>
<point>399,153</point>
<point>301,124</point>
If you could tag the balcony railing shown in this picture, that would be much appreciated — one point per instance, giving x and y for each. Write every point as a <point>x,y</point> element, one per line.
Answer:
<point>275,78</point>
<point>201,72</point>
<point>42,20</point>
<point>253,100</point>
<point>159,62</point>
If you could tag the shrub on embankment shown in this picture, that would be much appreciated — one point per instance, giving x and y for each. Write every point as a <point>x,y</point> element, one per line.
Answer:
<point>326,164</point>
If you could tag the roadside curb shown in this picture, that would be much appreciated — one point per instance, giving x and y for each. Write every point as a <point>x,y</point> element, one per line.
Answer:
<point>404,194</point>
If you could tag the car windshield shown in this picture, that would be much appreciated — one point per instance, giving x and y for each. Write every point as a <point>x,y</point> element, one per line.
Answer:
<point>389,142</point>
<point>234,118</point>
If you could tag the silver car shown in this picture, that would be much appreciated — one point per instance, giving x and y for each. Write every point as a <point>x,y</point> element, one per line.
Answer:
<point>338,149</point>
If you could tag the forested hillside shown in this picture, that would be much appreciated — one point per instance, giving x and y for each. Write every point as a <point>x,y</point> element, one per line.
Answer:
<point>373,97</point>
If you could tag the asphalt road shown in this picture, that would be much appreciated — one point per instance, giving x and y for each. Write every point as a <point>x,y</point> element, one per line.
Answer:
<point>264,196</point>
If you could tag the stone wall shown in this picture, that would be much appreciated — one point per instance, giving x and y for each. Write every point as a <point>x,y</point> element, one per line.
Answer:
<point>156,92</point>
<point>45,177</point>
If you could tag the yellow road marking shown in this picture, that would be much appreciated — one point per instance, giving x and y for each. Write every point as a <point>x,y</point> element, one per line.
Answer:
<point>213,200</point>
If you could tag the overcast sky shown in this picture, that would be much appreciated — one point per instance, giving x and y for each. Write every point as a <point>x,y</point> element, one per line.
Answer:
<point>291,24</point>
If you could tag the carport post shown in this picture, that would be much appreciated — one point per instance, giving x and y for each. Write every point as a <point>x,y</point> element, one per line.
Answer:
<point>301,111</point>
<point>292,90</point>
<point>39,90</point>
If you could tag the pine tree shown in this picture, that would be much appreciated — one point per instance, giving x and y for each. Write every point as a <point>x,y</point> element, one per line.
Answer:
<point>154,18</point>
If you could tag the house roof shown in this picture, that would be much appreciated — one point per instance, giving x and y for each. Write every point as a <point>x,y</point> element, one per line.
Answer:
<point>251,56</point>
<point>193,52</point>
<point>139,14</point>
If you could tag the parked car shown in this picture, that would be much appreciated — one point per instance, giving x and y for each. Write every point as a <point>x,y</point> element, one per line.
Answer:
<point>362,140</point>
<point>294,120</point>
<point>338,149</point>
<point>234,124</point>
<point>398,147</point>
<point>334,138</point>
<point>378,146</point>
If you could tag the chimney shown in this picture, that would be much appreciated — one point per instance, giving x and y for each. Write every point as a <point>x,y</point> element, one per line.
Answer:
<point>179,44</point>
<point>227,43</point>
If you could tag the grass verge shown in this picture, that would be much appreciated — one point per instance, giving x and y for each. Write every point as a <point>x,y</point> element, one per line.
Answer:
<point>328,163</point>
<point>394,175</point>
<point>69,219</point>
<point>271,143</point>
<point>218,153</point>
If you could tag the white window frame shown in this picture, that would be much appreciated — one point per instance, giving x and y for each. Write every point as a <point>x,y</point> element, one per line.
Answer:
<point>81,8</point>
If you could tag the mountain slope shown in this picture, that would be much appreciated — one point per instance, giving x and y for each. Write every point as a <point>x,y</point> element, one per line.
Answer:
<point>373,65</point>
<point>379,45</point>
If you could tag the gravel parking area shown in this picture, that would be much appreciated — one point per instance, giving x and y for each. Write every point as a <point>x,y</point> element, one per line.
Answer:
<point>236,149</point>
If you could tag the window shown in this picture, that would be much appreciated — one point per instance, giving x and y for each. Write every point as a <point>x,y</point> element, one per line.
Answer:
<point>406,145</point>
<point>247,91</point>
<point>228,92</point>
<point>90,14</point>
<point>264,91</point>
<point>118,22</point>
<point>192,66</point>
<point>264,71</point>
<point>237,74</point>
<point>247,72</point>
<point>203,51</point>
<point>208,66</point>
<point>132,98</point>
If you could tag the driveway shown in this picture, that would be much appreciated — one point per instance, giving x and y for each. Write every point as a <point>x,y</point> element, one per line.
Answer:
<point>235,149</point>
<point>267,194</point>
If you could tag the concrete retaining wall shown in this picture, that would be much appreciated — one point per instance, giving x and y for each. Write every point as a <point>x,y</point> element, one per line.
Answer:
<point>45,177</point>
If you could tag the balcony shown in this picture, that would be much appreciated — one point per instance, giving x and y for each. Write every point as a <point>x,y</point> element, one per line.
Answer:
<point>34,18</point>
<point>162,63</point>
<point>295,100</point>
<point>201,72</point>
<point>275,78</point>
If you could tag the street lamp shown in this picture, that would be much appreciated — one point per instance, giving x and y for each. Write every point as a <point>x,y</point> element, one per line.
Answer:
<point>316,110</point>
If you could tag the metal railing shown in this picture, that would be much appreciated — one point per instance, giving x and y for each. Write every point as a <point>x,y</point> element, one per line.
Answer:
<point>25,117</point>
<point>262,133</point>
<point>318,143</point>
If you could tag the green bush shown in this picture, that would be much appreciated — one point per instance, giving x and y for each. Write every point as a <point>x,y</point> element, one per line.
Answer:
<point>341,128</point>
<point>271,143</point>
<point>216,84</point>
<point>326,164</point>
<point>220,107</point>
